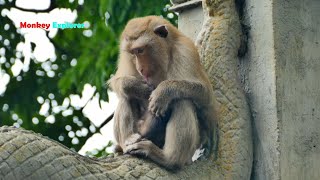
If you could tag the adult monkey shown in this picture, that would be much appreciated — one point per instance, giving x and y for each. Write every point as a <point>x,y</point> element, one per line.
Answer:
<point>159,71</point>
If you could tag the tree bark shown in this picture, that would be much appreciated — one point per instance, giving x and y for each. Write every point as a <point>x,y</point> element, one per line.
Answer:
<point>26,155</point>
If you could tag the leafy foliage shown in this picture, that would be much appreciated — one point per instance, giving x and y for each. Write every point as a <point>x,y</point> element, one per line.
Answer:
<point>94,50</point>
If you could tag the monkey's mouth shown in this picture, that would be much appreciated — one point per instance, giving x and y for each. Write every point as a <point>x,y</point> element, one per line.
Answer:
<point>149,82</point>
<point>145,78</point>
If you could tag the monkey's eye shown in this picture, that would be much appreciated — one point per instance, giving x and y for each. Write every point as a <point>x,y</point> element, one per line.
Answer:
<point>137,51</point>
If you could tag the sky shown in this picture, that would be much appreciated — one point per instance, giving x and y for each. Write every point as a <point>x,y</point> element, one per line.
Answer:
<point>44,53</point>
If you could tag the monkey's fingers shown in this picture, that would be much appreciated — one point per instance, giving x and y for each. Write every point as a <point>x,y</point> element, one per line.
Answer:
<point>128,149</point>
<point>132,139</point>
<point>159,110</point>
<point>139,148</point>
<point>153,106</point>
<point>158,113</point>
<point>152,109</point>
<point>139,152</point>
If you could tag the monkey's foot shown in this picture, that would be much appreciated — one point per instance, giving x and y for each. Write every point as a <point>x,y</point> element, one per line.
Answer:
<point>132,139</point>
<point>118,150</point>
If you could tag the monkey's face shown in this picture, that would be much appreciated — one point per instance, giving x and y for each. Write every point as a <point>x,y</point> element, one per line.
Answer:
<point>150,53</point>
<point>150,63</point>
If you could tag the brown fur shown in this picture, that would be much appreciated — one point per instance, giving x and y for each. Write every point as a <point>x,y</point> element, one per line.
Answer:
<point>160,73</point>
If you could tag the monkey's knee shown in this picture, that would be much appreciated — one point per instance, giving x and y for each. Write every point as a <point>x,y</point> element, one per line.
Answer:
<point>182,134</point>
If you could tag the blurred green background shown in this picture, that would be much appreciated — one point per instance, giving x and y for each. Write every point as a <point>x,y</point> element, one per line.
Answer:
<point>83,56</point>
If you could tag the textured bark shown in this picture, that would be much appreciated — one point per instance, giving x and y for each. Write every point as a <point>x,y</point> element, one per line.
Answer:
<point>218,44</point>
<point>26,155</point>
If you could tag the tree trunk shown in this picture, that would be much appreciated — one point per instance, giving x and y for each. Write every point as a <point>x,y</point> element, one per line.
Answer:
<point>26,155</point>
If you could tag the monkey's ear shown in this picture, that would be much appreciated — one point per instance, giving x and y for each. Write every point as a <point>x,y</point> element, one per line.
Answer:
<point>161,31</point>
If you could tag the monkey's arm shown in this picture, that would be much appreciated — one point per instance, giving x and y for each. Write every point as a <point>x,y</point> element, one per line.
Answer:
<point>170,90</point>
<point>130,86</point>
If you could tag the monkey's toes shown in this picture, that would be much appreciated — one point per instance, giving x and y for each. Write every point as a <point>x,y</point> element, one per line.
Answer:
<point>139,152</point>
<point>136,149</point>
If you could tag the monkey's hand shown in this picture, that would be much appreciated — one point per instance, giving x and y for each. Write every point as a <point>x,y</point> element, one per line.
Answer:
<point>132,139</point>
<point>141,148</point>
<point>134,87</point>
<point>159,102</point>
